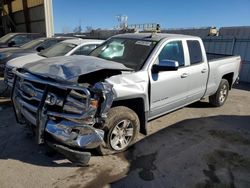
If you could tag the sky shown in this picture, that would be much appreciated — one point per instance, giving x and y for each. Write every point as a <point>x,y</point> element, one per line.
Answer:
<point>169,14</point>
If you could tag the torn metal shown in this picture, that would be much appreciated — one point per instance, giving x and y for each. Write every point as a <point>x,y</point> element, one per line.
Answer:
<point>69,68</point>
<point>67,99</point>
<point>68,114</point>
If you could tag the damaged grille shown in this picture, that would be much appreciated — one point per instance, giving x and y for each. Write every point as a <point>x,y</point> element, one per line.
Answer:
<point>60,102</point>
<point>68,113</point>
<point>60,109</point>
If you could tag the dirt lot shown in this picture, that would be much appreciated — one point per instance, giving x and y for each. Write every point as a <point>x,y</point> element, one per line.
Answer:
<point>197,146</point>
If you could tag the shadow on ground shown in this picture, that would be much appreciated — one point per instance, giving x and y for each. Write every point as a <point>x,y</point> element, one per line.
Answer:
<point>203,152</point>
<point>17,142</point>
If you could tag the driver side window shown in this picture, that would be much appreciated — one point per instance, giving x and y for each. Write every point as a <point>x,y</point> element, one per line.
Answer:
<point>173,51</point>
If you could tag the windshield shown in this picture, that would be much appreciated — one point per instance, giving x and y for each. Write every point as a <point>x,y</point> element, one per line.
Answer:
<point>59,49</point>
<point>130,52</point>
<point>32,44</point>
<point>6,38</point>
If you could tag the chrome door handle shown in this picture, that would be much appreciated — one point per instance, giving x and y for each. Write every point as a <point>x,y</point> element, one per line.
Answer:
<point>203,70</point>
<point>184,75</point>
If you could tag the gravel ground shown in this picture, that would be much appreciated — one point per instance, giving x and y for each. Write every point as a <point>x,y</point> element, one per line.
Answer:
<point>197,146</point>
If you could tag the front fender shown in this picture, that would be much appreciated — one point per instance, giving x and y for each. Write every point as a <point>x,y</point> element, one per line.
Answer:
<point>131,86</point>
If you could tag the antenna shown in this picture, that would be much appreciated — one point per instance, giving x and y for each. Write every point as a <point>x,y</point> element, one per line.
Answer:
<point>122,20</point>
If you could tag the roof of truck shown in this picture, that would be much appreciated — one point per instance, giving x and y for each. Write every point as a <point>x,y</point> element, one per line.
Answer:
<point>152,36</point>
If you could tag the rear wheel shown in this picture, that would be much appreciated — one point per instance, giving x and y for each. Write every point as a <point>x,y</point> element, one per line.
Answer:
<point>220,97</point>
<point>121,130</point>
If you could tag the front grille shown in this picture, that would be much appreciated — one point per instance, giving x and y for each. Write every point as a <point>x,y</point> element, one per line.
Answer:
<point>30,94</point>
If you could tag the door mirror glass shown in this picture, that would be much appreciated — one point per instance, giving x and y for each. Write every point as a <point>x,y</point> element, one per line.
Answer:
<point>165,65</point>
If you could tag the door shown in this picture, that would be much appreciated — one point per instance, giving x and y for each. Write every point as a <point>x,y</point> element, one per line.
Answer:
<point>168,89</point>
<point>198,71</point>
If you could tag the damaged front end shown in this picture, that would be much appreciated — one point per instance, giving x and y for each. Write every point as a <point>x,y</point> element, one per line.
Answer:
<point>68,117</point>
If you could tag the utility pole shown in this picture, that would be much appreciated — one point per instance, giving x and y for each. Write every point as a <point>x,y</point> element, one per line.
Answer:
<point>49,21</point>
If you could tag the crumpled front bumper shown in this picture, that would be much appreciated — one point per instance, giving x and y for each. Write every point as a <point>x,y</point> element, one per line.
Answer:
<point>67,135</point>
<point>75,135</point>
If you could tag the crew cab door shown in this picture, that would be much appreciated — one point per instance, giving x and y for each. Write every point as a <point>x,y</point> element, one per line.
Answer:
<point>168,89</point>
<point>197,71</point>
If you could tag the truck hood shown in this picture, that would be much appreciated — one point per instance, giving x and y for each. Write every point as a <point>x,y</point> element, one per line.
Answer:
<point>69,68</point>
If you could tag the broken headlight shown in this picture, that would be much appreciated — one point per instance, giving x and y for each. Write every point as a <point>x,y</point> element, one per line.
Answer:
<point>77,102</point>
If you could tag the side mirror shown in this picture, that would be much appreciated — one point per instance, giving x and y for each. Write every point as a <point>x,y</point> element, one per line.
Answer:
<point>40,48</point>
<point>11,43</point>
<point>165,65</point>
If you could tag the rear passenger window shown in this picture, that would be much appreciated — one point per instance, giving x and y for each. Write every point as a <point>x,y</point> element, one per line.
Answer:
<point>194,51</point>
<point>173,51</point>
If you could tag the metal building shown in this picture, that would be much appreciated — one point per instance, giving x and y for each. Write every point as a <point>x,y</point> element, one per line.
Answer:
<point>201,32</point>
<point>232,41</point>
<point>34,16</point>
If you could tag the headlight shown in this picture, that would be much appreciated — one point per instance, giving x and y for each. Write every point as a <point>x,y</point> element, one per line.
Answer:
<point>75,102</point>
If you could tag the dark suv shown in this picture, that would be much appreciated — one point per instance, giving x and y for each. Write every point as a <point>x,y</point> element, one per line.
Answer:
<point>17,39</point>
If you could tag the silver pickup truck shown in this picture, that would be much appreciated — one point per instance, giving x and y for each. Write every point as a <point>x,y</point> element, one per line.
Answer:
<point>104,100</point>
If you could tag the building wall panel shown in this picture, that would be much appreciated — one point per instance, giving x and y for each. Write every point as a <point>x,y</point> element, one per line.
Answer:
<point>17,5</point>
<point>38,27</point>
<point>36,13</point>
<point>18,17</point>
<point>21,28</point>
<point>33,3</point>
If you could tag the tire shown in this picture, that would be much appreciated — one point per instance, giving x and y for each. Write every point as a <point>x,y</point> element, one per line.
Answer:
<point>117,138</point>
<point>220,97</point>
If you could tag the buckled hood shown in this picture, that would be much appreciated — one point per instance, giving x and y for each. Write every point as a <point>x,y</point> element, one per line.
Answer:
<point>69,68</point>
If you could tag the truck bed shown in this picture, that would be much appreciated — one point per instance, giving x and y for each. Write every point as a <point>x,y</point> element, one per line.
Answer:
<point>221,65</point>
<point>214,56</point>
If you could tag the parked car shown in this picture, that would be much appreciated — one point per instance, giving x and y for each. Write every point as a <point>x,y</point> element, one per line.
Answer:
<point>104,100</point>
<point>17,39</point>
<point>31,47</point>
<point>68,47</point>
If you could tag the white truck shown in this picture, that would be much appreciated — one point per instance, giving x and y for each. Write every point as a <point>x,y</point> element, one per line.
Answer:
<point>104,100</point>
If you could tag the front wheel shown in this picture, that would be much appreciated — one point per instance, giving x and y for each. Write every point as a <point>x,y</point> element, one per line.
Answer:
<point>121,130</point>
<point>220,97</point>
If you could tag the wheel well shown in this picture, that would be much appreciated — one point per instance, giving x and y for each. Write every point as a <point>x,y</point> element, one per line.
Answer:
<point>137,105</point>
<point>229,78</point>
